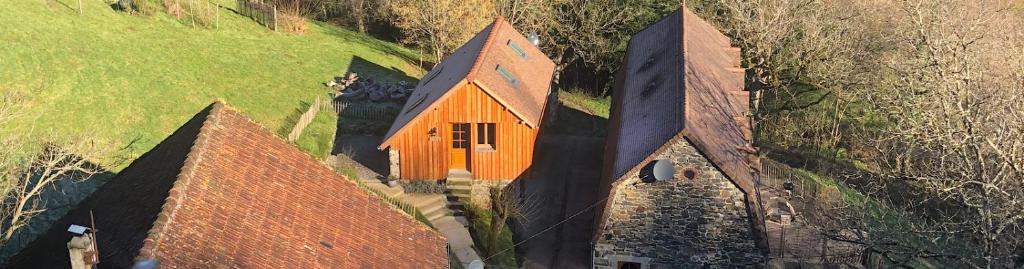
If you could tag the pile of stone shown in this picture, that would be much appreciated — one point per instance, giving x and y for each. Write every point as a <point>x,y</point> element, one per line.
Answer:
<point>352,87</point>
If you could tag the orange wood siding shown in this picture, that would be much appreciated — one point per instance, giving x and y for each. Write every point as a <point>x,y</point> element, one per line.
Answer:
<point>426,158</point>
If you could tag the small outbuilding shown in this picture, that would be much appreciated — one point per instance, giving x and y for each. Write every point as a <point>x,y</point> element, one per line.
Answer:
<point>477,113</point>
<point>678,178</point>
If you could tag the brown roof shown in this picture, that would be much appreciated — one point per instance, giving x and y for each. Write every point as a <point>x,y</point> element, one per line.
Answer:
<point>223,192</point>
<point>680,80</point>
<point>477,62</point>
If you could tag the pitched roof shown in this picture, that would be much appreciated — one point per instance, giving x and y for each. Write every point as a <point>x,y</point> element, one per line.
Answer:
<point>477,62</point>
<point>680,80</point>
<point>223,192</point>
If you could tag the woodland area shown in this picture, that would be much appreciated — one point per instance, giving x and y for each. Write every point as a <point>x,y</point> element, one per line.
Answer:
<point>916,104</point>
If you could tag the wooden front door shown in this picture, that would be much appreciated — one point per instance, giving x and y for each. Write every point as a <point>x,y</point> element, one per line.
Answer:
<point>460,147</point>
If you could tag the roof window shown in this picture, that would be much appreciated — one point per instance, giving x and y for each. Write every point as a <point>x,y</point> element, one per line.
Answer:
<point>518,50</point>
<point>508,76</point>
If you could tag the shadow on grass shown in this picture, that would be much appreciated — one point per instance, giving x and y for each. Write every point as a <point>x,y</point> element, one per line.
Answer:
<point>382,46</point>
<point>57,200</point>
<point>289,122</point>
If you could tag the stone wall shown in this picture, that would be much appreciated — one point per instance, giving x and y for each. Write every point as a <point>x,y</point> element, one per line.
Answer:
<point>395,167</point>
<point>696,222</point>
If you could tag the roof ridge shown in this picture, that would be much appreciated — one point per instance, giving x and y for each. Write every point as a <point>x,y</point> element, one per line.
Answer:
<point>177,192</point>
<point>485,49</point>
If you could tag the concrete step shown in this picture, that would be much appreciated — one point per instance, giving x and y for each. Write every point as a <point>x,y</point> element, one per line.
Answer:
<point>436,214</point>
<point>459,180</point>
<point>396,191</point>
<point>432,208</point>
<point>459,175</point>
<point>460,193</point>
<point>420,200</point>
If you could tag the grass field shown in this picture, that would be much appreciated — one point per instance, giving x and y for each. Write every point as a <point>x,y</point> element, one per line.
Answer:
<point>134,79</point>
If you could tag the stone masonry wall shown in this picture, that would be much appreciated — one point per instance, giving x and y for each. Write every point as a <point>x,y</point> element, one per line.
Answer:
<point>683,223</point>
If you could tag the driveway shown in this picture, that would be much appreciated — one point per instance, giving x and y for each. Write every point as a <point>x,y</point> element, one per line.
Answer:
<point>564,180</point>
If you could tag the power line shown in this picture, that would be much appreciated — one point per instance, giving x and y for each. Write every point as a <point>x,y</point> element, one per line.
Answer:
<point>547,229</point>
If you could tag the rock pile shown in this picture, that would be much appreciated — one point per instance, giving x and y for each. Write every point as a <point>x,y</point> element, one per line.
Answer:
<point>354,88</point>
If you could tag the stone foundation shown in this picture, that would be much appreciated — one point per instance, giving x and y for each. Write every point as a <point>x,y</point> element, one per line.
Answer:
<point>696,222</point>
<point>395,168</point>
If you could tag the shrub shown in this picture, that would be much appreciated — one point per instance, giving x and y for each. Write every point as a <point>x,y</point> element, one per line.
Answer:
<point>147,7</point>
<point>423,186</point>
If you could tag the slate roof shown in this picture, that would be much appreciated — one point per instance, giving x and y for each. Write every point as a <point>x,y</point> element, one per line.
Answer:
<point>681,80</point>
<point>477,62</point>
<point>223,192</point>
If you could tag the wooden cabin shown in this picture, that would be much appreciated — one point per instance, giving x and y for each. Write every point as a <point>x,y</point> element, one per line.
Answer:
<point>477,113</point>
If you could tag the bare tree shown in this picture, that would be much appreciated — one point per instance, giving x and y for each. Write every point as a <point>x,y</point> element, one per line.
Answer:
<point>30,166</point>
<point>507,203</point>
<point>440,25</point>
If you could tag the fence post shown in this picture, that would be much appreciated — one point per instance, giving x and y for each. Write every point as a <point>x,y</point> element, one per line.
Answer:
<point>275,18</point>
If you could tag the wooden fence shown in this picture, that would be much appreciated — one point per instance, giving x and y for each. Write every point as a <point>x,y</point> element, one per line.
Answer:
<point>261,12</point>
<point>798,241</point>
<point>358,110</point>
<point>304,120</point>
<point>396,203</point>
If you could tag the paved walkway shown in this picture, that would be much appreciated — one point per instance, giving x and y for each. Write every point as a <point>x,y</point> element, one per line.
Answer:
<point>452,228</point>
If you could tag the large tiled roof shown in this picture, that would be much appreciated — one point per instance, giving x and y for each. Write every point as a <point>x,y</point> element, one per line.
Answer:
<point>680,81</point>
<point>477,62</point>
<point>223,192</point>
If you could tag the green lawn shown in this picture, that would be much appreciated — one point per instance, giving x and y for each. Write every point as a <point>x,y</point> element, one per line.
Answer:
<point>123,79</point>
<point>586,102</point>
<point>318,138</point>
<point>479,229</point>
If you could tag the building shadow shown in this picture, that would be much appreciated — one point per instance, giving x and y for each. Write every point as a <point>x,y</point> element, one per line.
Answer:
<point>563,180</point>
<point>367,69</point>
<point>363,150</point>
<point>382,46</point>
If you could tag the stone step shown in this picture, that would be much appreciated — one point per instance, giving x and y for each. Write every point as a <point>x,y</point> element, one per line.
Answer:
<point>432,208</point>
<point>420,200</point>
<point>461,193</point>
<point>459,180</point>
<point>395,192</point>
<point>432,216</point>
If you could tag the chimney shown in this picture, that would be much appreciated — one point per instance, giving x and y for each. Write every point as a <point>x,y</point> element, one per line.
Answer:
<point>82,251</point>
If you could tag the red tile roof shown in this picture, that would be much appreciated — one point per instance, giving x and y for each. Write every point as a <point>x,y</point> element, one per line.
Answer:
<point>477,62</point>
<point>681,79</point>
<point>223,192</point>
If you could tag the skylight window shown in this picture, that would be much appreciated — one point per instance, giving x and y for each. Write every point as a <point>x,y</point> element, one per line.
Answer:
<point>417,103</point>
<point>508,76</point>
<point>518,50</point>
<point>433,74</point>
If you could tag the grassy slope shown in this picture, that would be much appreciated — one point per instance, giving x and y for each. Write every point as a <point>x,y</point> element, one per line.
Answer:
<point>318,138</point>
<point>582,101</point>
<point>125,79</point>
<point>480,231</point>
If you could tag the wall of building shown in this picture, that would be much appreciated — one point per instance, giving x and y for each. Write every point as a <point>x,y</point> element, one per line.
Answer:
<point>683,223</point>
<point>424,157</point>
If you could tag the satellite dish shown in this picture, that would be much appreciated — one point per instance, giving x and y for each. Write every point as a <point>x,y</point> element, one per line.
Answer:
<point>534,38</point>
<point>476,264</point>
<point>658,170</point>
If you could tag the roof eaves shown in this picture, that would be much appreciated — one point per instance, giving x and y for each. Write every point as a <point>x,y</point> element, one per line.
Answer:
<point>177,192</point>
<point>387,139</point>
<point>527,120</point>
